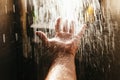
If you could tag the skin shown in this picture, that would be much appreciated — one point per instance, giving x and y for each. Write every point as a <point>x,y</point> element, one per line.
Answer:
<point>64,46</point>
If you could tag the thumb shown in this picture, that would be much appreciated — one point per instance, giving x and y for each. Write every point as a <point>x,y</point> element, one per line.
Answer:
<point>42,36</point>
<point>82,31</point>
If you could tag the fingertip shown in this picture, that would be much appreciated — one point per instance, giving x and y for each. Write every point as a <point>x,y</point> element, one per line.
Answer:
<point>57,25</point>
<point>82,30</point>
<point>58,19</point>
<point>84,25</point>
<point>41,34</point>
<point>38,33</point>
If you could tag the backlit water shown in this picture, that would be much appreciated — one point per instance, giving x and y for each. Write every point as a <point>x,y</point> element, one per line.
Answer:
<point>97,45</point>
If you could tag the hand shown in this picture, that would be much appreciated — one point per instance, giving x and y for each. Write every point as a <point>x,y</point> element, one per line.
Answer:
<point>65,40</point>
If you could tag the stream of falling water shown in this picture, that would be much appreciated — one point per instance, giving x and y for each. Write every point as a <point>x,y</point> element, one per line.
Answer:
<point>97,45</point>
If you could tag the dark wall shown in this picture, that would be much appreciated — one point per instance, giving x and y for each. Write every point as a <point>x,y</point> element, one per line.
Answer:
<point>113,8</point>
<point>10,40</point>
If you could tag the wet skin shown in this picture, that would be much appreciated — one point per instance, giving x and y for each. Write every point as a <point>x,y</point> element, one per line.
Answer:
<point>64,45</point>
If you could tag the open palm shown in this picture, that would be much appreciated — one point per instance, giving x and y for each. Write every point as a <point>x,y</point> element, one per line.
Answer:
<point>65,40</point>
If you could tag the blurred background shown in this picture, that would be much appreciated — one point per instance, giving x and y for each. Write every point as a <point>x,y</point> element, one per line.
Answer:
<point>23,58</point>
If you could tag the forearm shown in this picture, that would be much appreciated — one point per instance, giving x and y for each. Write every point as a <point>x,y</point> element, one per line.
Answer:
<point>60,72</point>
<point>62,68</point>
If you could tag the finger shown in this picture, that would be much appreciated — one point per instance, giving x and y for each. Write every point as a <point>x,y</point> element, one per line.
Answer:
<point>82,31</point>
<point>57,25</point>
<point>65,26</point>
<point>72,25</point>
<point>42,36</point>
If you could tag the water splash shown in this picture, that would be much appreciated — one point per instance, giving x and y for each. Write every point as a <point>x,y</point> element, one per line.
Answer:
<point>97,45</point>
